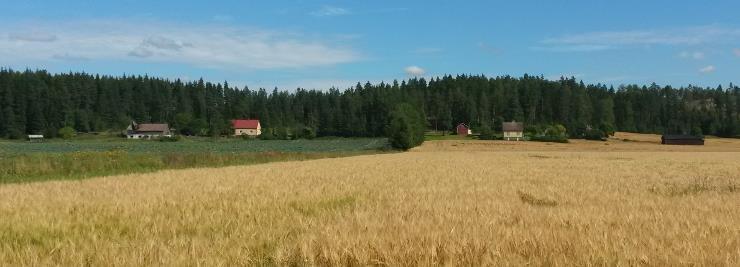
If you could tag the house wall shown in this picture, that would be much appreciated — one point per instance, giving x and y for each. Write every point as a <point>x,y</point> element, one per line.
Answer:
<point>513,135</point>
<point>250,132</point>
<point>148,135</point>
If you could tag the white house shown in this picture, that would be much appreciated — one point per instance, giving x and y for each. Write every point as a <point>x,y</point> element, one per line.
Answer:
<point>513,131</point>
<point>148,130</point>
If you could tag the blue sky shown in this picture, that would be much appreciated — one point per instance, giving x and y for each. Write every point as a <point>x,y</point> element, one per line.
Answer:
<point>319,44</point>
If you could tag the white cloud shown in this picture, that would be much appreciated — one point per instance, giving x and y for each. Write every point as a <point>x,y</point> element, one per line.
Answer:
<point>414,71</point>
<point>708,69</point>
<point>201,46</point>
<point>327,11</point>
<point>694,55</point>
<point>615,39</point>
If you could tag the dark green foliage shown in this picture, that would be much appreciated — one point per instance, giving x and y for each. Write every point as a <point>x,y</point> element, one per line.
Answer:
<point>553,133</point>
<point>175,138</point>
<point>595,134</point>
<point>281,133</point>
<point>406,127</point>
<point>304,133</point>
<point>486,133</point>
<point>33,102</point>
<point>66,132</point>
<point>267,135</point>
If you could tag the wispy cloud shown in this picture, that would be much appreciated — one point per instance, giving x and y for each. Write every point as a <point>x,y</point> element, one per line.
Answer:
<point>485,47</point>
<point>414,71</point>
<point>708,69</point>
<point>32,37</point>
<point>327,11</point>
<point>200,46</point>
<point>593,41</point>
<point>693,55</point>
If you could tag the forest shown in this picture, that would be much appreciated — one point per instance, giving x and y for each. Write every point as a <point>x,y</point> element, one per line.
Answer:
<point>38,102</point>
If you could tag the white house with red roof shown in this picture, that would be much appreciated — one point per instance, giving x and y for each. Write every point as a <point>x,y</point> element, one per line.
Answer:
<point>247,127</point>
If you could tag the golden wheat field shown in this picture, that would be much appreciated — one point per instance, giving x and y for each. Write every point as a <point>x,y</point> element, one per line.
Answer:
<point>456,203</point>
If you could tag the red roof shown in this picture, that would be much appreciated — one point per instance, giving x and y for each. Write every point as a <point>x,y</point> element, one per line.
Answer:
<point>245,124</point>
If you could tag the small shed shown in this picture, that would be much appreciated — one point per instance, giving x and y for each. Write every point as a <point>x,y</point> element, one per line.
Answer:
<point>463,129</point>
<point>513,131</point>
<point>682,139</point>
<point>35,138</point>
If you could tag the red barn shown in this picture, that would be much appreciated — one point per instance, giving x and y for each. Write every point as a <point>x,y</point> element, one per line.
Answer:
<point>463,129</point>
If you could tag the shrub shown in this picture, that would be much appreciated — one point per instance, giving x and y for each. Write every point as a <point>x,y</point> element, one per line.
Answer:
<point>486,133</point>
<point>66,132</point>
<point>282,133</point>
<point>595,134</point>
<point>406,127</point>
<point>554,133</point>
<point>305,133</point>
<point>267,135</point>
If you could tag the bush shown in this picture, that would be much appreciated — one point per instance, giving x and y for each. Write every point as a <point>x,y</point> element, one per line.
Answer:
<point>281,133</point>
<point>486,133</point>
<point>66,132</point>
<point>608,129</point>
<point>406,127</point>
<point>554,133</point>
<point>595,134</point>
<point>305,133</point>
<point>267,135</point>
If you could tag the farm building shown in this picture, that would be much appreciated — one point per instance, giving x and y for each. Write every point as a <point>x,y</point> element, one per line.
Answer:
<point>246,127</point>
<point>35,138</point>
<point>463,129</point>
<point>148,130</point>
<point>669,139</point>
<point>513,131</point>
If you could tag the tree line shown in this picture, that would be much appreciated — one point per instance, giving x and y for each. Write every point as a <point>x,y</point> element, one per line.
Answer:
<point>37,102</point>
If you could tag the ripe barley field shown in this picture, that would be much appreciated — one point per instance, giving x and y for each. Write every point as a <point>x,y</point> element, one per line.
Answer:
<point>456,203</point>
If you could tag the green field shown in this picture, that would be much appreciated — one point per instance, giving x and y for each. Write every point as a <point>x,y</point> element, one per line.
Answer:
<point>82,158</point>
<point>199,145</point>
